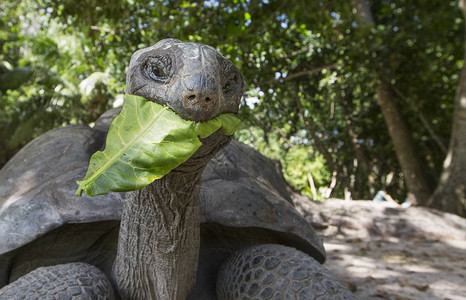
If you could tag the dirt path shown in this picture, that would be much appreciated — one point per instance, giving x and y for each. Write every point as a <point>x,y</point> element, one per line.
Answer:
<point>386,252</point>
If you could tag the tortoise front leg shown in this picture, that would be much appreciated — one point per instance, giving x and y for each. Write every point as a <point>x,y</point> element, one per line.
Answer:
<point>67,281</point>
<point>277,272</point>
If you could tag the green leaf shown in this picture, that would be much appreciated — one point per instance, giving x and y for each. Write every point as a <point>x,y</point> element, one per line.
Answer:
<point>145,142</point>
<point>230,123</point>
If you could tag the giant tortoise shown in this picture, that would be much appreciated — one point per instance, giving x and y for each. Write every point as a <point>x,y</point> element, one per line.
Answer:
<point>253,243</point>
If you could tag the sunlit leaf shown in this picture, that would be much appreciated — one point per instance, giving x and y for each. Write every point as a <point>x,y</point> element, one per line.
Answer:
<point>145,142</point>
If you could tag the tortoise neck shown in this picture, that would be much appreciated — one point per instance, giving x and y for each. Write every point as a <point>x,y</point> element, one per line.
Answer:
<point>158,244</point>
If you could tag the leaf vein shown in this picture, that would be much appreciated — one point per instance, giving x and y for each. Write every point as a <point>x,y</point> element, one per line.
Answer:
<point>127,146</point>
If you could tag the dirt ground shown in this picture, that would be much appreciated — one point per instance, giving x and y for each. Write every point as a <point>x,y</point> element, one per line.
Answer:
<point>382,251</point>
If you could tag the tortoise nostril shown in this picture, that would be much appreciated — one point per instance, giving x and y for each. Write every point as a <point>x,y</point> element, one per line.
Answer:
<point>198,98</point>
<point>200,105</point>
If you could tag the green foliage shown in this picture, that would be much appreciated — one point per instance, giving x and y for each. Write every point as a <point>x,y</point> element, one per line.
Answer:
<point>289,52</point>
<point>296,157</point>
<point>145,142</point>
<point>39,89</point>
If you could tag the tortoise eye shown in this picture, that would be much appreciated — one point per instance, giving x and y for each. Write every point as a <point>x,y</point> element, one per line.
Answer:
<point>230,85</point>
<point>234,80</point>
<point>157,72</point>
<point>158,68</point>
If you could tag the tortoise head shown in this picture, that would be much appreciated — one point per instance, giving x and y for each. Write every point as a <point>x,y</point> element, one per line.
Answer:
<point>194,80</point>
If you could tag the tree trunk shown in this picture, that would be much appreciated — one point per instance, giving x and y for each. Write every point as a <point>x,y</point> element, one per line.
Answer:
<point>360,156</point>
<point>405,148</point>
<point>423,119</point>
<point>450,194</point>
<point>416,181</point>
<point>312,185</point>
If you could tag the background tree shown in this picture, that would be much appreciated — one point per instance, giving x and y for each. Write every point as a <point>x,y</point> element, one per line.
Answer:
<point>403,143</point>
<point>450,194</point>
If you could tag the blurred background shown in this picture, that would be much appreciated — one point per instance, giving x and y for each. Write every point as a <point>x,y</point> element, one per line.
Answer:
<point>352,97</point>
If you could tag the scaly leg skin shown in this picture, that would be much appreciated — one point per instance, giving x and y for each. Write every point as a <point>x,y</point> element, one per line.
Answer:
<point>277,272</point>
<point>67,281</point>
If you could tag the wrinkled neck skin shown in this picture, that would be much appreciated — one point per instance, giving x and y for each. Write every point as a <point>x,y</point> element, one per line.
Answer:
<point>158,244</point>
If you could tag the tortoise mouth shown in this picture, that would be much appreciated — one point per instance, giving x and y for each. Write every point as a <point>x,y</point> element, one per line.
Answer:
<point>198,115</point>
<point>190,107</point>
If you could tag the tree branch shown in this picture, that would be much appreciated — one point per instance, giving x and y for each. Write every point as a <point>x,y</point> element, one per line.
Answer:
<point>423,120</point>
<point>297,52</point>
<point>299,74</point>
